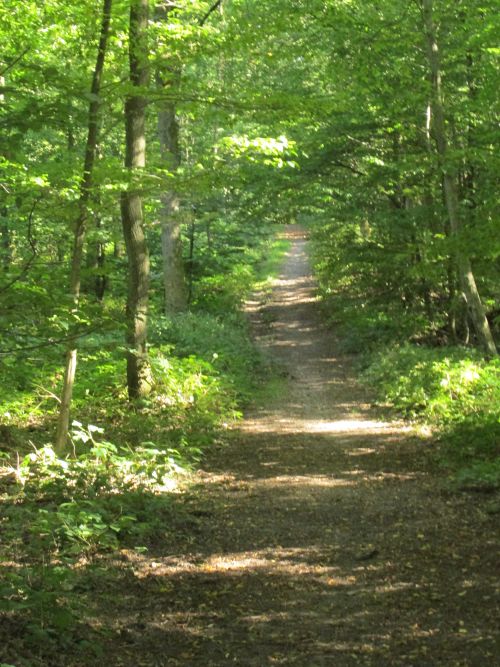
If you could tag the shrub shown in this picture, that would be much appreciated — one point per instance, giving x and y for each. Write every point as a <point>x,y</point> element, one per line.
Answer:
<point>454,389</point>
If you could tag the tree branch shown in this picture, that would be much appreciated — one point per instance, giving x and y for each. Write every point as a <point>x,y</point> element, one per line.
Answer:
<point>49,343</point>
<point>210,11</point>
<point>15,61</point>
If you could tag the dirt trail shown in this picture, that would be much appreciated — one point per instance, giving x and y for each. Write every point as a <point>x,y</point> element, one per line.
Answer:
<point>318,536</point>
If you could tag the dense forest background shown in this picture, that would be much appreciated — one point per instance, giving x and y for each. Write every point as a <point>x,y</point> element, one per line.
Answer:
<point>149,154</point>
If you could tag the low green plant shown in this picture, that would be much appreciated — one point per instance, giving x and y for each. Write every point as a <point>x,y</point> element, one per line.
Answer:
<point>115,491</point>
<point>63,509</point>
<point>41,593</point>
<point>442,384</point>
<point>454,389</point>
<point>481,476</point>
<point>222,346</point>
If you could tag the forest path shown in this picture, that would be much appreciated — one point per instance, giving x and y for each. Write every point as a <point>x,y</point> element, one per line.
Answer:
<point>317,536</point>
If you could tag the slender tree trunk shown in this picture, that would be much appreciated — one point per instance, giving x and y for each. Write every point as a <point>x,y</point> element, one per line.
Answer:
<point>5,242</point>
<point>81,223</point>
<point>192,235</point>
<point>96,259</point>
<point>101,280</point>
<point>174,279</point>
<point>117,249</point>
<point>469,172</point>
<point>171,241</point>
<point>138,380</point>
<point>450,187</point>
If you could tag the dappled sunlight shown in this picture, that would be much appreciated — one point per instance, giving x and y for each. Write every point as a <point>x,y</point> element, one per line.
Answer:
<point>295,325</point>
<point>305,546</point>
<point>362,451</point>
<point>294,284</point>
<point>316,598</point>
<point>274,563</point>
<point>303,480</point>
<point>344,478</point>
<point>281,561</point>
<point>276,423</point>
<point>295,482</point>
<point>348,426</point>
<point>286,343</point>
<point>381,476</point>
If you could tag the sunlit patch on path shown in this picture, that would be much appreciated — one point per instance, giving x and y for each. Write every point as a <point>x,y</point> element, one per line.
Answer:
<point>294,425</point>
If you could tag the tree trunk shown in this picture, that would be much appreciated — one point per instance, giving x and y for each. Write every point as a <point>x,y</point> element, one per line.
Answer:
<point>450,187</point>
<point>81,223</point>
<point>174,279</point>
<point>6,259</point>
<point>5,242</point>
<point>138,380</point>
<point>192,235</point>
<point>96,260</point>
<point>101,280</point>
<point>171,241</point>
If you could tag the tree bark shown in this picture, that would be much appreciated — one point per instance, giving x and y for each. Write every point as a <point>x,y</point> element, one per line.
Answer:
<point>96,260</point>
<point>81,224</point>
<point>138,376</point>
<point>450,187</point>
<point>174,278</point>
<point>6,259</point>
<point>5,240</point>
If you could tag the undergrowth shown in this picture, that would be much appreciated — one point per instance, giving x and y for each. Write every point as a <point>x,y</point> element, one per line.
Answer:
<point>454,389</point>
<point>118,486</point>
<point>376,296</point>
<point>60,512</point>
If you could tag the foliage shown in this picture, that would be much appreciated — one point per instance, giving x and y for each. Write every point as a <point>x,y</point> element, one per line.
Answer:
<point>63,509</point>
<point>481,476</point>
<point>275,126</point>
<point>215,333</point>
<point>453,389</point>
<point>382,239</point>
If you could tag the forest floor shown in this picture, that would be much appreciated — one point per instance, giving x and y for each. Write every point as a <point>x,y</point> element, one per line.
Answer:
<point>319,535</point>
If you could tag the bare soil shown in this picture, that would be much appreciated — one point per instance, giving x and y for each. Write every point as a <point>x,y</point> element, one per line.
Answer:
<point>320,535</point>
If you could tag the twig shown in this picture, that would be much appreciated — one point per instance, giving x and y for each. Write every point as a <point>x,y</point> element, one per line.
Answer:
<point>5,353</point>
<point>49,393</point>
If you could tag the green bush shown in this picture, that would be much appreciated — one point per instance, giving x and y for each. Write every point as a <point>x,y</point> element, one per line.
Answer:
<point>60,511</point>
<point>63,509</point>
<point>222,344</point>
<point>363,326</point>
<point>454,389</point>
